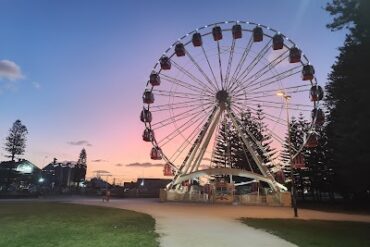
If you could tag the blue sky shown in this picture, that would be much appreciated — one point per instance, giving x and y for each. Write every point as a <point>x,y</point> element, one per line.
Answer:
<point>78,68</point>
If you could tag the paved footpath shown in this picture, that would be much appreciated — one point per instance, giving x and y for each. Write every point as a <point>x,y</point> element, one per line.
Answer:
<point>203,225</point>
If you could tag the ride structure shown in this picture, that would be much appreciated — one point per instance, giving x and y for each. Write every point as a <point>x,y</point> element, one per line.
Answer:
<point>212,112</point>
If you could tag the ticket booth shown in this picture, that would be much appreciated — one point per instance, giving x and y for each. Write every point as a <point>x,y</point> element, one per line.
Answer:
<point>223,192</point>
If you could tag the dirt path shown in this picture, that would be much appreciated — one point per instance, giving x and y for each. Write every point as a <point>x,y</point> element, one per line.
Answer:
<point>193,225</point>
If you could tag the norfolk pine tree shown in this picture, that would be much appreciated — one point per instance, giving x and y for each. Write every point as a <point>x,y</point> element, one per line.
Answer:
<point>15,143</point>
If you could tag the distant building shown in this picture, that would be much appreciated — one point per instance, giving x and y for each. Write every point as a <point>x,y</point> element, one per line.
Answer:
<point>19,176</point>
<point>145,187</point>
<point>64,174</point>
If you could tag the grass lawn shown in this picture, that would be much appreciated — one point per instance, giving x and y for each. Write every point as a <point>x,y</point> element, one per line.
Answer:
<point>307,233</point>
<point>40,224</point>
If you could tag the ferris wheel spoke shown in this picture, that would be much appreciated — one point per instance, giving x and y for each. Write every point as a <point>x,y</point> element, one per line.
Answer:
<point>210,67</point>
<point>271,65</point>
<point>182,96</point>
<point>264,105</point>
<point>229,63</point>
<point>217,133</point>
<point>267,115</point>
<point>281,103</point>
<point>194,102</point>
<point>181,83</point>
<point>281,141</point>
<point>273,79</point>
<point>220,64</point>
<point>178,93</point>
<point>284,89</point>
<point>172,107</point>
<point>180,116</point>
<point>202,71</point>
<point>192,77</point>
<point>253,63</point>
<point>241,61</point>
<point>179,130</point>
<point>191,138</point>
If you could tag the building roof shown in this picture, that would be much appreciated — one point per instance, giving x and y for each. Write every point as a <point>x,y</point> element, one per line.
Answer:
<point>52,165</point>
<point>22,166</point>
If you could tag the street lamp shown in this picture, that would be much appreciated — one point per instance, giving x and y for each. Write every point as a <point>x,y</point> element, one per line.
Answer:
<point>293,189</point>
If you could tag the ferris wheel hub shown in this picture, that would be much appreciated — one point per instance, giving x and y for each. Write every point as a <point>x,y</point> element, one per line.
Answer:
<point>223,98</point>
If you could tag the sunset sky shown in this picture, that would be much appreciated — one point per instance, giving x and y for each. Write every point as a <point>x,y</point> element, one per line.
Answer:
<point>74,71</point>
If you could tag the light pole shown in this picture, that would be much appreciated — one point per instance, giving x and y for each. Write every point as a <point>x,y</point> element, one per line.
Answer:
<point>293,188</point>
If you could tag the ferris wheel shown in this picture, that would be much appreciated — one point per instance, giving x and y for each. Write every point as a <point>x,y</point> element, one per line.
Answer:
<point>215,74</point>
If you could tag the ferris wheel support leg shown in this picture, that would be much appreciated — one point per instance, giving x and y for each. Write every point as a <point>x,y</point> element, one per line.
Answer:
<point>252,151</point>
<point>193,150</point>
<point>203,149</point>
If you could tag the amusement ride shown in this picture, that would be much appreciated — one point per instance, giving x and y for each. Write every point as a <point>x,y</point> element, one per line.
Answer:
<point>206,88</point>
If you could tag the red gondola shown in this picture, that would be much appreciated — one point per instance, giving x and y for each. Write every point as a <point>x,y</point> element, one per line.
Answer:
<point>298,161</point>
<point>197,39</point>
<point>167,170</point>
<point>316,93</point>
<point>312,141</point>
<point>156,153</point>
<point>295,55</point>
<point>148,135</point>
<point>180,49</point>
<point>257,34</point>
<point>146,116</point>
<point>237,31</point>
<point>318,117</point>
<point>165,63</point>
<point>154,79</point>
<point>277,42</point>
<point>217,33</point>
<point>308,72</point>
<point>148,97</point>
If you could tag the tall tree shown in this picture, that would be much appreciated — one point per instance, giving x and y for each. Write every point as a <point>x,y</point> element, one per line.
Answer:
<point>16,140</point>
<point>80,169</point>
<point>347,98</point>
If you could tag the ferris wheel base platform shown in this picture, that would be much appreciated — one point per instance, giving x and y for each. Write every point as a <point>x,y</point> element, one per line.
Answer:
<point>280,199</point>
